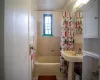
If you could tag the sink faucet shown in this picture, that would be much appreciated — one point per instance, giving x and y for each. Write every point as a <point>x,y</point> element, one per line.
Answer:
<point>78,51</point>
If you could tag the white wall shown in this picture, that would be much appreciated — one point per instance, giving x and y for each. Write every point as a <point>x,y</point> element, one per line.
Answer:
<point>16,40</point>
<point>46,44</point>
<point>92,45</point>
<point>34,29</point>
<point>34,24</point>
<point>2,40</point>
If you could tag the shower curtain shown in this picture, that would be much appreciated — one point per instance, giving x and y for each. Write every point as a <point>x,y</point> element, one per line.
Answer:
<point>68,29</point>
<point>67,38</point>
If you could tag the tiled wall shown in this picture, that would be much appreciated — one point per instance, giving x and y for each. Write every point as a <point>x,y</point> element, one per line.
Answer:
<point>78,41</point>
<point>49,46</point>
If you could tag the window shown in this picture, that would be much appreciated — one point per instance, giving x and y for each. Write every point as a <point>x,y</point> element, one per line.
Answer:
<point>47,25</point>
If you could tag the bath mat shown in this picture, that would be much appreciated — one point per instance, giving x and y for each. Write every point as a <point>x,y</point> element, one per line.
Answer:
<point>47,78</point>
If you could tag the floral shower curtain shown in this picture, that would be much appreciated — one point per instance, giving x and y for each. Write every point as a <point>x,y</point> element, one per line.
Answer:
<point>67,38</point>
<point>78,22</point>
<point>68,29</point>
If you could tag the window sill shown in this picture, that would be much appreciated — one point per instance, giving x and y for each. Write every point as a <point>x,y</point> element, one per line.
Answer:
<point>47,35</point>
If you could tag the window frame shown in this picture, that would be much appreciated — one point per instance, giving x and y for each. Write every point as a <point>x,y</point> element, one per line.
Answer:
<point>44,34</point>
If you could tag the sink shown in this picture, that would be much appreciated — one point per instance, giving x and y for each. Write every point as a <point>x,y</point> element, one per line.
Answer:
<point>71,56</point>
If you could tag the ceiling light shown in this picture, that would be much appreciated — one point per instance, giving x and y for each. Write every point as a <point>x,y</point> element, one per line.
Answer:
<point>81,2</point>
<point>85,1</point>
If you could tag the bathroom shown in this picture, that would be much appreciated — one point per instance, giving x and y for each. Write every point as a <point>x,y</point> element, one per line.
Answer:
<point>50,39</point>
<point>47,47</point>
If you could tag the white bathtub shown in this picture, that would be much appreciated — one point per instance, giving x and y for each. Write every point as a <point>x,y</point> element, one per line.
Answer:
<point>47,65</point>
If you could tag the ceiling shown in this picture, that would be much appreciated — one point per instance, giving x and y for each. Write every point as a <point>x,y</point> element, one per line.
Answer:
<point>51,4</point>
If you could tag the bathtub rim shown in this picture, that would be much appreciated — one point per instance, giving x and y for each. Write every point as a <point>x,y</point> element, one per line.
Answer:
<point>57,58</point>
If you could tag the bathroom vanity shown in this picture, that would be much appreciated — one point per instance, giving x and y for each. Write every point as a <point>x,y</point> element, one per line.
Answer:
<point>71,57</point>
